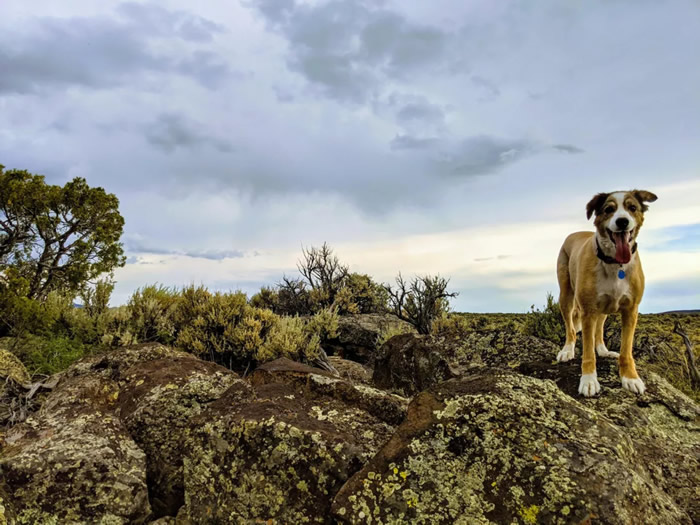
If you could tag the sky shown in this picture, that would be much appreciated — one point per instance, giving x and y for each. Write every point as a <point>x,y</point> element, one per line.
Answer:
<point>451,137</point>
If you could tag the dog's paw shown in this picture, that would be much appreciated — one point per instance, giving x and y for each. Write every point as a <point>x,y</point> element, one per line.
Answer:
<point>589,385</point>
<point>566,354</point>
<point>603,351</point>
<point>633,384</point>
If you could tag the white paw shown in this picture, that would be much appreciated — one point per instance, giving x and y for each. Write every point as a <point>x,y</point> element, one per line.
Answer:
<point>603,351</point>
<point>589,385</point>
<point>566,354</point>
<point>635,385</point>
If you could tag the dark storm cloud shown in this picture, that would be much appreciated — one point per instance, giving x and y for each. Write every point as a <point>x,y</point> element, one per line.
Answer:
<point>171,131</point>
<point>567,148</point>
<point>348,48</point>
<point>102,52</point>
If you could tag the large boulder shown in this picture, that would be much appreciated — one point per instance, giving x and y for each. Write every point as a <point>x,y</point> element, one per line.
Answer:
<point>158,401</point>
<point>500,447</point>
<point>111,435</point>
<point>410,363</point>
<point>281,455</point>
<point>359,335</point>
<point>75,462</point>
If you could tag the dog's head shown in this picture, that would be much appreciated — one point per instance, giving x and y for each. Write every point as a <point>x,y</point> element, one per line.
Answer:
<point>618,218</point>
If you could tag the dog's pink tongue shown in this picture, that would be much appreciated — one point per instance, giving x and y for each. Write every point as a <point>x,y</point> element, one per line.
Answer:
<point>622,247</point>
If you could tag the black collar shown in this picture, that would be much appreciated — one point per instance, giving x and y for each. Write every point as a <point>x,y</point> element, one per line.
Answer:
<point>606,258</point>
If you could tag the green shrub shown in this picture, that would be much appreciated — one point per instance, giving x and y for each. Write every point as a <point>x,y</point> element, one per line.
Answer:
<point>547,323</point>
<point>289,337</point>
<point>324,324</point>
<point>48,355</point>
<point>206,324</point>
<point>114,327</point>
<point>151,310</point>
<point>266,298</point>
<point>361,295</point>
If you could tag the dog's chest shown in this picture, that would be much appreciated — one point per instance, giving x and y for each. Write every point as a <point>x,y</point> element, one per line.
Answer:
<point>613,292</point>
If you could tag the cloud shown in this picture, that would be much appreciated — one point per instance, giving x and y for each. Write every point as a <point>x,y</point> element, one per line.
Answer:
<point>104,52</point>
<point>348,48</point>
<point>161,21</point>
<point>568,148</point>
<point>407,142</point>
<point>170,131</point>
<point>477,155</point>
<point>489,87</point>
<point>134,244</point>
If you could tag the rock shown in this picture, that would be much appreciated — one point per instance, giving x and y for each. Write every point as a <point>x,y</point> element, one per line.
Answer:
<point>284,453</point>
<point>7,513</point>
<point>75,461</point>
<point>410,363</point>
<point>499,447</point>
<point>147,396</point>
<point>358,335</point>
<point>158,401</point>
<point>11,367</point>
<point>351,370</point>
<point>499,348</point>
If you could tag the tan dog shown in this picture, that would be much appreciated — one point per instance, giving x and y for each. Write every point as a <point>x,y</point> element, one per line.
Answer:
<point>599,274</point>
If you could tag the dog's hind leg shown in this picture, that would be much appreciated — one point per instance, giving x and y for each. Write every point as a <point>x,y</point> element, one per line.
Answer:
<point>567,307</point>
<point>600,347</point>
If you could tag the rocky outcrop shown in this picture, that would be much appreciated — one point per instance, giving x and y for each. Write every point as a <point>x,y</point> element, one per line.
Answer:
<point>282,454</point>
<point>158,401</point>
<point>109,437</point>
<point>500,447</point>
<point>359,334</point>
<point>76,462</point>
<point>150,435</point>
<point>410,363</point>
<point>351,370</point>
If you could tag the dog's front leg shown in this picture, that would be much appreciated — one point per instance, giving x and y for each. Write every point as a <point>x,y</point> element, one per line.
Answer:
<point>628,370</point>
<point>589,385</point>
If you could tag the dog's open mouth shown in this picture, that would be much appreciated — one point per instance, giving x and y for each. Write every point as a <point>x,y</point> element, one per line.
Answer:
<point>623,252</point>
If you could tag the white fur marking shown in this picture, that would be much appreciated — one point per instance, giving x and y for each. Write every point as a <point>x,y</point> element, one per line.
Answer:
<point>603,351</point>
<point>566,354</point>
<point>635,385</point>
<point>589,385</point>
<point>621,212</point>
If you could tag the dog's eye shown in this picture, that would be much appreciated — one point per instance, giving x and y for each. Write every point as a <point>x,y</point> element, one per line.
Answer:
<point>633,208</point>
<point>610,209</point>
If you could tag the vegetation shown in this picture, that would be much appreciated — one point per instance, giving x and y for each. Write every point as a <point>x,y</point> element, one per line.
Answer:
<point>57,244</point>
<point>420,302</point>
<point>56,238</point>
<point>547,323</point>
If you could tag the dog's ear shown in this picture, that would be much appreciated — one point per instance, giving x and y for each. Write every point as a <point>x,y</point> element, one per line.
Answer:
<point>596,204</point>
<point>644,196</point>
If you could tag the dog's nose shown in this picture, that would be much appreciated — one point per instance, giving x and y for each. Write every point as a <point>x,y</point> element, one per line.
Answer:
<point>622,223</point>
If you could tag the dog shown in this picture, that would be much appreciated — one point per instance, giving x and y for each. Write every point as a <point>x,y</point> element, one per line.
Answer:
<point>600,273</point>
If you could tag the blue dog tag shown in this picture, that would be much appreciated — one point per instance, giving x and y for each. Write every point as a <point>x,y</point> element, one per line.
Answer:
<point>621,274</point>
